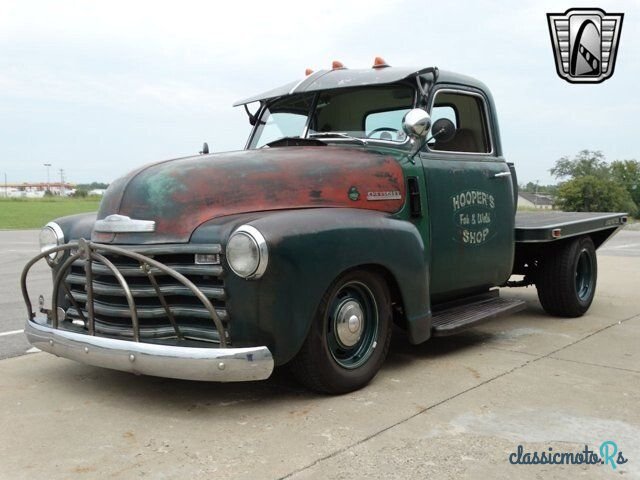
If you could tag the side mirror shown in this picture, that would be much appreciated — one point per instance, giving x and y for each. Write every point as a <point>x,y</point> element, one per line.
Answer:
<point>443,130</point>
<point>205,149</point>
<point>416,123</point>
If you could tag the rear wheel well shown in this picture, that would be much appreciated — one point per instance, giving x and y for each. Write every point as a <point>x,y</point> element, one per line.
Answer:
<point>529,256</point>
<point>600,237</point>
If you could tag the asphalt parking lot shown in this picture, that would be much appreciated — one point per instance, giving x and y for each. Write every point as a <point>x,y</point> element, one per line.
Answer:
<point>450,408</point>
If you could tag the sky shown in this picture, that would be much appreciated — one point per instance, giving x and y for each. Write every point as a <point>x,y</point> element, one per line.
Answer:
<point>98,88</point>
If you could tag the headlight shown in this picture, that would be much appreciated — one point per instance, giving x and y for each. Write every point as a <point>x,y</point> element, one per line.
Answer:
<point>51,236</point>
<point>247,252</point>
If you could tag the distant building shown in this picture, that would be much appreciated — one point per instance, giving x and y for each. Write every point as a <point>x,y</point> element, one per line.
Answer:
<point>35,190</point>
<point>97,191</point>
<point>535,200</point>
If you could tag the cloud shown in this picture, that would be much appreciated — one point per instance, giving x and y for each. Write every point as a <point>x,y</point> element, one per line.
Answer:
<point>119,91</point>
<point>147,80</point>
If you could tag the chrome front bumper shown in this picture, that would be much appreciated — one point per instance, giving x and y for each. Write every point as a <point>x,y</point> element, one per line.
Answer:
<point>222,364</point>
<point>188,363</point>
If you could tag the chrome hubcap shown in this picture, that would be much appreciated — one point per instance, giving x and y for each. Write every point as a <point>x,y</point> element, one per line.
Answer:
<point>352,329</point>
<point>349,323</point>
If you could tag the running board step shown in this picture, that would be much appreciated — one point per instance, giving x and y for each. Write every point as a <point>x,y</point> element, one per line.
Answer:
<point>459,318</point>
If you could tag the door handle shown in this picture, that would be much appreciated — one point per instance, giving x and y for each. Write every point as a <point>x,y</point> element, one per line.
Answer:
<point>502,174</point>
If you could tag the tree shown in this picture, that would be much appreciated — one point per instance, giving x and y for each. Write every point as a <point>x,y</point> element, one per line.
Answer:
<point>594,194</point>
<point>92,186</point>
<point>586,162</point>
<point>627,173</point>
<point>595,186</point>
<point>531,187</point>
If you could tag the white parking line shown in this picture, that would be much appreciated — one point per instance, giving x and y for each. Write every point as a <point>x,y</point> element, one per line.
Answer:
<point>12,332</point>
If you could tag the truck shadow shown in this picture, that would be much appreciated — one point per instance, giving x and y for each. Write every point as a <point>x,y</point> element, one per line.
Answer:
<point>402,351</point>
<point>133,392</point>
<point>190,396</point>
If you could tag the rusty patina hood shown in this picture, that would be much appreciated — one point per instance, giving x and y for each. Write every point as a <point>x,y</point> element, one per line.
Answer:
<point>181,194</point>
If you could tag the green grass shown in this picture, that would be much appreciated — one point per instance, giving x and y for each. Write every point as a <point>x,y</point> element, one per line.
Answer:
<point>22,213</point>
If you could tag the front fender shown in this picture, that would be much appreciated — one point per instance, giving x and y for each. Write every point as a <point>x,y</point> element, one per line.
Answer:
<point>74,227</point>
<point>308,249</point>
<point>77,226</point>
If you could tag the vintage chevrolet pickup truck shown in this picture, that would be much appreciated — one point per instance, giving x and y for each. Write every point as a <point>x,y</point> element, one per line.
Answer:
<point>364,198</point>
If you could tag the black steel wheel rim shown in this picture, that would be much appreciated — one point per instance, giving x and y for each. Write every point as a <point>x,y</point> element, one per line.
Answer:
<point>353,348</point>
<point>584,275</point>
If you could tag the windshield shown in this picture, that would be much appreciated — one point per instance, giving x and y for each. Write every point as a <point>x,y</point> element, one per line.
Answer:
<point>361,113</point>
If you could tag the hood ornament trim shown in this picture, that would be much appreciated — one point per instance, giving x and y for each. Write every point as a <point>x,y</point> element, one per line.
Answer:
<point>123,224</point>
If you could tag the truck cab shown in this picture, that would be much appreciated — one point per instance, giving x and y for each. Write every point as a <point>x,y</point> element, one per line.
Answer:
<point>364,198</point>
<point>462,186</point>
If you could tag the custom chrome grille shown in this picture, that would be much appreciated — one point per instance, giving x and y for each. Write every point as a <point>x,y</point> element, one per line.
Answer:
<point>165,307</point>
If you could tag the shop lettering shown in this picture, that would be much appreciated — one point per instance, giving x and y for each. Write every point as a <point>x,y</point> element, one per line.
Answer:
<point>472,198</point>
<point>473,237</point>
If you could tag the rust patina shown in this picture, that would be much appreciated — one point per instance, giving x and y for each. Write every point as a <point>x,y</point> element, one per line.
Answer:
<point>183,193</point>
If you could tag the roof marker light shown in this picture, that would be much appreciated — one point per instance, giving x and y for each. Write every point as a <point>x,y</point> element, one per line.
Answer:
<point>379,62</point>
<point>308,72</point>
<point>336,65</point>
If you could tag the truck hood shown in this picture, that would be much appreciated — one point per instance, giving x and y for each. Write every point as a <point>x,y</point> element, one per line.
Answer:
<point>181,194</point>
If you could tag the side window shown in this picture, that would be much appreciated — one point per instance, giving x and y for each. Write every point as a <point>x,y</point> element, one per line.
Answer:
<point>444,111</point>
<point>469,116</point>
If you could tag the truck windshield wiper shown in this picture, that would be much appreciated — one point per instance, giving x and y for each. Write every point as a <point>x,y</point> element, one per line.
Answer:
<point>337,135</point>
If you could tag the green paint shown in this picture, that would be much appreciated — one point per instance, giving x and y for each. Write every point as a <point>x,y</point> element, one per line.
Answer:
<point>159,189</point>
<point>462,243</point>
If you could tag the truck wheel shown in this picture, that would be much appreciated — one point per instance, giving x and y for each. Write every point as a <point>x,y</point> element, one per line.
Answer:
<point>567,280</point>
<point>349,337</point>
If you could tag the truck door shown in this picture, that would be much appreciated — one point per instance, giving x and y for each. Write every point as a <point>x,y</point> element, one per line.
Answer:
<point>470,197</point>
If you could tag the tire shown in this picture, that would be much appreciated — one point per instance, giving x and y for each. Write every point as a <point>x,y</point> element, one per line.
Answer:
<point>567,279</point>
<point>342,354</point>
